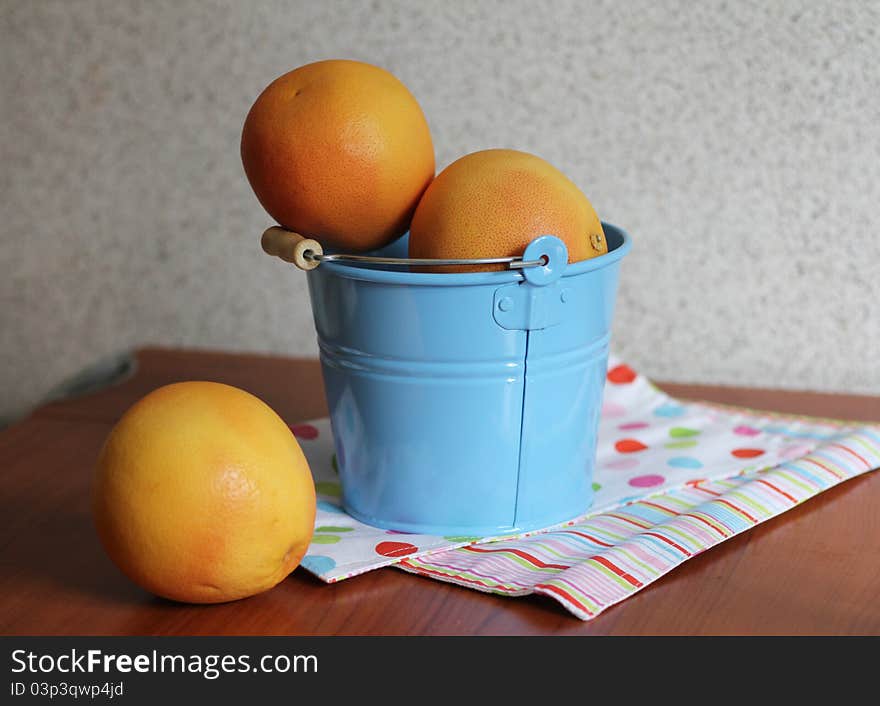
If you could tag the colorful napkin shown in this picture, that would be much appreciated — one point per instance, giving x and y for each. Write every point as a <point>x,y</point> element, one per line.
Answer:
<point>672,479</point>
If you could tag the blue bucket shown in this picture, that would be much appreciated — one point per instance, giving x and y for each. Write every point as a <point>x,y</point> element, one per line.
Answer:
<point>467,404</point>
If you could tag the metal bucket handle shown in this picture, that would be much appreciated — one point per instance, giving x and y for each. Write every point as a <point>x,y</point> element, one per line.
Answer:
<point>307,254</point>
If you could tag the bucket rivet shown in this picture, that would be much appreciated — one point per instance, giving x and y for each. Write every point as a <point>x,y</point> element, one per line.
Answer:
<point>505,304</point>
<point>564,295</point>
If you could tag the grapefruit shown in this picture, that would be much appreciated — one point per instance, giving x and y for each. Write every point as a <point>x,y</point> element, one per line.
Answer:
<point>495,202</point>
<point>202,494</point>
<point>338,151</point>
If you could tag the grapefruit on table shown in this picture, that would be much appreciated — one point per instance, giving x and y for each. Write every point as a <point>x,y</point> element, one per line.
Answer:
<point>495,202</point>
<point>339,151</point>
<point>202,494</point>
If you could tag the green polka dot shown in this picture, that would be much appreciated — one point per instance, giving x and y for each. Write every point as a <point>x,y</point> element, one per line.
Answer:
<point>331,528</point>
<point>597,486</point>
<point>690,443</point>
<point>682,432</point>
<point>461,539</point>
<point>325,539</point>
<point>334,464</point>
<point>326,487</point>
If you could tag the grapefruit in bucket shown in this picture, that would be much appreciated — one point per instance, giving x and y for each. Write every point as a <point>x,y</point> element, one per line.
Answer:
<point>339,151</point>
<point>493,203</point>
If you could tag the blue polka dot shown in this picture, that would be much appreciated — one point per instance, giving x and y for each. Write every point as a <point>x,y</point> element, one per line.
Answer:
<point>669,410</point>
<point>327,506</point>
<point>318,564</point>
<point>684,462</point>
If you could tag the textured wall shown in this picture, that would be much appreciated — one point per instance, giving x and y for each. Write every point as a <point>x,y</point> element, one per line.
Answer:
<point>739,143</point>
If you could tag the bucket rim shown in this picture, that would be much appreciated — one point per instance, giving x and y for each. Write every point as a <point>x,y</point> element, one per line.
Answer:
<point>441,279</point>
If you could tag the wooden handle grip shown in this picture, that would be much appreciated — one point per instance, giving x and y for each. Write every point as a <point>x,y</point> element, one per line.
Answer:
<point>291,247</point>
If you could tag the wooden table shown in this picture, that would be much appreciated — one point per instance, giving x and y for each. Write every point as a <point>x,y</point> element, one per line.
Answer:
<point>815,569</point>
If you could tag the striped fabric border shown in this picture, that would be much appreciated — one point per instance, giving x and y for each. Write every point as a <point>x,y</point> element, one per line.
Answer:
<point>605,558</point>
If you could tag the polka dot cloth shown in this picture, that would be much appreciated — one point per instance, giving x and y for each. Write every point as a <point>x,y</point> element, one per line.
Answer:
<point>649,444</point>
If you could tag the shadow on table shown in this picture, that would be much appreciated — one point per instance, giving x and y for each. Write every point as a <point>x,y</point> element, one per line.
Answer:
<point>62,549</point>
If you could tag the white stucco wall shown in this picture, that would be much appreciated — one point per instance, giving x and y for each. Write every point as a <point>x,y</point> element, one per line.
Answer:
<point>739,143</point>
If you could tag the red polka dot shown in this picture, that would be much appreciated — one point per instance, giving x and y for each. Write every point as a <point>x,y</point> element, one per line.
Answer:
<point>648,481</point>
<point>747,453</point>
<point>304,431</point>
<point>395,548</point>
<point>621,375</point>
<point>629,446</point>
<point>633,425</point>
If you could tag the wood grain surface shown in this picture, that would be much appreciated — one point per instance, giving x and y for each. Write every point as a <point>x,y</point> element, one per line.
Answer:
<point>813,570</point>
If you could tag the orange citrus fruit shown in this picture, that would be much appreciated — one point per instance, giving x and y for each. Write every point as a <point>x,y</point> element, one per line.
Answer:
<point>202,494</point>
<point>339,151</point>
<point>495,202</point>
